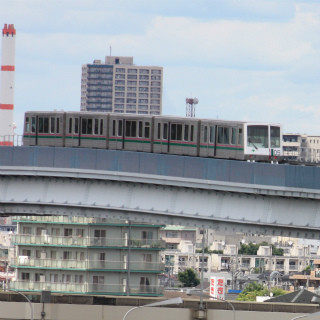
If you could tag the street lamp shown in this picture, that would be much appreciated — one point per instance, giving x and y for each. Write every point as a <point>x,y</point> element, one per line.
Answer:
<point>157,304</point>
<point>201,294</point>
<point>30,304</point>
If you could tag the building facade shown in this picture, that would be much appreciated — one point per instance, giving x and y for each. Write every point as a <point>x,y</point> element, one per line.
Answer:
<point>301,148</point>
<point>87,256</point>
<point>120,86</point>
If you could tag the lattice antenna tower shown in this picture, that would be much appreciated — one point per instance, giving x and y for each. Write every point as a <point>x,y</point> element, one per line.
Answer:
<point>191,107</point>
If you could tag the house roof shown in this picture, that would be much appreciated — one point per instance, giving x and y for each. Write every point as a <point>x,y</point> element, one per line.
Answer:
<point>300,296</point>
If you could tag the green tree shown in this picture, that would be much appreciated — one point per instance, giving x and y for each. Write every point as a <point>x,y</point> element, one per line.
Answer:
<point>188,278</point>
<point>252,290</point>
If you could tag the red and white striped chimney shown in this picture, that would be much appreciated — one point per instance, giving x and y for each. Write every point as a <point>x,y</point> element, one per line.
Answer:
<point>7,85</point>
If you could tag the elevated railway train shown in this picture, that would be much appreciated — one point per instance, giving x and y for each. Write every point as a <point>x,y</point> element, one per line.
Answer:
<point>158,134</point>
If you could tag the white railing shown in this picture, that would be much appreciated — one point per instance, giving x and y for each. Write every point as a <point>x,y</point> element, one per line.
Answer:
<point>24,261</point>
<point>86,241</point>
<point>85,287</point>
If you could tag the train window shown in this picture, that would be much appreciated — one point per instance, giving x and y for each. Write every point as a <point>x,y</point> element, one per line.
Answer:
<point>140,129</point>
<point>28,126</point>
<point>120,131</point>
<point>257,136</point>
<point>114,128</point>
<point>52,125</point>
<point>165,131</point>
<point>84,126</point>
<point>240,137</point>
<point>90,127</point>
<point>191,133</point>
<point>43,125</point>
<point>159,128</point>
<point>70,125</point>
<point>186,132</point>
<point>33,124</point>
<point>176,132</point>
<point>101,126</point>
<point>275,137</point>
<point>96,126</point>
<point>57,126</point>
<point>131,128</point>
<point>205,134</point>
<point>212,134</point>
<point>76,125</point>
<point>233,136</point>
<point>223,135</point>
<point>147,130</point>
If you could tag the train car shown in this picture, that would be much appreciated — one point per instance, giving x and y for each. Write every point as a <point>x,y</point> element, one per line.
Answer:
<point>176,135</point>
<point>158,134</point>
<point>130,132</point>
<point>44,129</point>
<point>86,129</point>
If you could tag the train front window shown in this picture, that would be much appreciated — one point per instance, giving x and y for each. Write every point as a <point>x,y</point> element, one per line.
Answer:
<point>257,137</point>
<point>275,137</point>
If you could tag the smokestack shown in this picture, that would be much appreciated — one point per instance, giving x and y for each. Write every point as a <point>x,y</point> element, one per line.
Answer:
<point>7,85</point>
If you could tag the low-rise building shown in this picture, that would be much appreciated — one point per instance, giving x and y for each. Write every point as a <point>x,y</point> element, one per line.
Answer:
<point>87,256</point>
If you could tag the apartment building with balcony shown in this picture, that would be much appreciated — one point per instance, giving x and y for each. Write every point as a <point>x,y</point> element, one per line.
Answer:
<point>301,148</point>
<point>87,256</point>
<point>117,85</point>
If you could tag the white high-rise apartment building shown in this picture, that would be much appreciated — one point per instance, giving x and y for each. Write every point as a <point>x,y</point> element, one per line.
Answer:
<point>120,86</point>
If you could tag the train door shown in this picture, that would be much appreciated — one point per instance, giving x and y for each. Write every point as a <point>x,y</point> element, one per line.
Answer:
<point>72,135</point>
<point>207,139</point>
<point>30,130</point>
<point>116,139</point>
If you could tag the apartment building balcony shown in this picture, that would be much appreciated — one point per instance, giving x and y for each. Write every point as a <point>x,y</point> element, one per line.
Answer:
<point>86,265</point>
<point>87,288</point>
<point>76,241</point>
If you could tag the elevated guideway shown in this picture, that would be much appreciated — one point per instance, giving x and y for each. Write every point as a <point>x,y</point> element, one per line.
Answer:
<point>155,188</point>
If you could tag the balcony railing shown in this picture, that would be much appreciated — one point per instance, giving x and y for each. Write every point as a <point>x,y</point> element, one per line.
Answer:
<point>89,288</point>
<point>24,261</point>
<point>26,239</point>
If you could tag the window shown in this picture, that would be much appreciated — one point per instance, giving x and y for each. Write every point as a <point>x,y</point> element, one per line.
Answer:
<point>78,278</point>
<point>233,136</point>
<point>153,71</point>
<point>25,276</point>
<point>165,131</point>
<point>54,277</point>
<point>43,124</point>
<point>86,126</point>
<point>147,130</point>
<point>186,132</point>
<point>66,278</point>
<point>55,232</point>
<point>26,252</point>
<point>67,232</point>
<point>131,76</point>
<point>102,256</point>
<point>132,70</point>
<point>99,233</point>
<point>67,255</point>
<point>131,128</point>
<point>122,70</point>
<point>120,133</point>
<point>176,132</point>
<point>223,135</point>
<point>275,137</point>
<point>205,134</point>
<point>79,233</point>
<point>212,134</point>
<point>53,254</point>
<point>240,137</point>
<point>26,230</point>
<point>257,136</point>
<point>52,125</point>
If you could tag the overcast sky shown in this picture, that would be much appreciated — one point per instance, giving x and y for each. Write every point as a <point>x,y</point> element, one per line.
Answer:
<point>255,60</point>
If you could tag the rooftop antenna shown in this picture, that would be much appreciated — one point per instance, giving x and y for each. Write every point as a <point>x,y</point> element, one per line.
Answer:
<point>190,107</point>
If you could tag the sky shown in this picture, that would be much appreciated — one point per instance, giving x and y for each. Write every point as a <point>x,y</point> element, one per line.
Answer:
<point>248,60</point>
